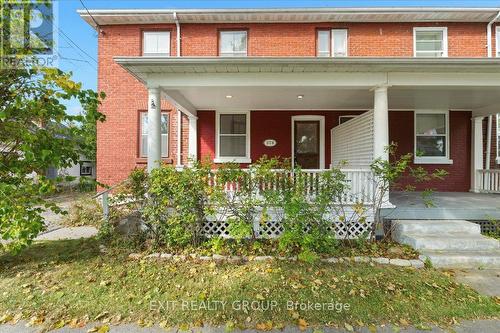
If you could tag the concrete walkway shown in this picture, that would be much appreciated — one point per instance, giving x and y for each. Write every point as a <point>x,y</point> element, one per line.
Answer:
<point>484,281</point>
<point>479,326</point>
<point>68,233</point>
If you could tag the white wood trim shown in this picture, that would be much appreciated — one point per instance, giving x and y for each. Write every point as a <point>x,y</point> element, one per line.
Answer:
<point>346,44</point>
<point>233,54</point>
<point>193,139</point>
<point>235,159</point>
<point>445,38</point>
<point>432,159</point>
<point>156,33</point>
<point>322,146</point>
<point>497,41</point>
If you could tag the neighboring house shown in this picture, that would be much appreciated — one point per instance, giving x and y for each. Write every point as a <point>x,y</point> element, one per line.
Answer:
<point>317,85</point>
<point>84,168</point>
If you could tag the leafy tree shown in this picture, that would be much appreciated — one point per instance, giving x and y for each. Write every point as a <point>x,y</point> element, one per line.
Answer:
<point>37,133</point>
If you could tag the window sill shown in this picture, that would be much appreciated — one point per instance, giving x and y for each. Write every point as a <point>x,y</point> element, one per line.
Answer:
<point>142,160</point>
<point>430,160</point>
<point>232,160</point>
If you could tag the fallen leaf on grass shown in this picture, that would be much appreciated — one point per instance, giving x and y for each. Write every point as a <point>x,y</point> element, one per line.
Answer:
<point>348,327</point>
<point>267,326</point>
<point>302,324</point>
<point>99,329</point>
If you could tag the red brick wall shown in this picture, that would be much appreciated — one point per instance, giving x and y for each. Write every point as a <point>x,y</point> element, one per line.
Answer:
<point>401,131</point>
<point>365,39</point>
<point>117,151</point>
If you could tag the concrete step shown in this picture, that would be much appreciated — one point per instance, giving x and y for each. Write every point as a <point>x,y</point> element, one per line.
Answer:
<point>463,259</point>
<point>449,241</point>
<point>434,227</point>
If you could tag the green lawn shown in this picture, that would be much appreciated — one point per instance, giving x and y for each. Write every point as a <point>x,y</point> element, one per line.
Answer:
<point>70,282</point>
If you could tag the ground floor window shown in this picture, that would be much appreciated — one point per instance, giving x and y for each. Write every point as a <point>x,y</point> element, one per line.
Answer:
<point>232,136</point>
<point>431,136</point>
<point>143,144</point>
<point>498,137</point>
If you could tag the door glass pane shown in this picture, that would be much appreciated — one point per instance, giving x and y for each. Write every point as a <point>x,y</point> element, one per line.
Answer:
<point>323,43</point>
<point>233,123</point>
<point>431,124</point>
<point>306,138</point>
<point>233,146</point>
<point>431,146</point>
<point>339,43</point>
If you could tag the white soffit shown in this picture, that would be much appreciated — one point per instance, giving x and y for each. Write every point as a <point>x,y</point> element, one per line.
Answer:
<point>394,14</point>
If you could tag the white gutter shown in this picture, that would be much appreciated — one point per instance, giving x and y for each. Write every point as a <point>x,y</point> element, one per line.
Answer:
<point>178,29</point>
<point>488,35</point>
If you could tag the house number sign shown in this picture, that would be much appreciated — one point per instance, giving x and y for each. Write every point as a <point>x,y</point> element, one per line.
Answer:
<point>270,143</point>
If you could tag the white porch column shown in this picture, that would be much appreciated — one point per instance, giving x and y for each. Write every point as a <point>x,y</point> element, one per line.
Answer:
<point>477,152</point>
<point>154,128</point>
<point>381,134</point>
<point>193,138</point>
<point>380,123</point>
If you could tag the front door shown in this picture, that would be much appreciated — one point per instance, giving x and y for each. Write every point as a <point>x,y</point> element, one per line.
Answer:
<point>306,144</point>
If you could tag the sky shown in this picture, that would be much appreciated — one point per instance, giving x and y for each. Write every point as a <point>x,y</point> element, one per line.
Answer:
<point>77,41</point>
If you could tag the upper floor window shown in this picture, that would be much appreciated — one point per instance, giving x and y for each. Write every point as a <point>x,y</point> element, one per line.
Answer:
<point>332,43</point>
<point>143,138</point>
<point>233,43</point>
<point>430,42</point>
<point>156,43</point>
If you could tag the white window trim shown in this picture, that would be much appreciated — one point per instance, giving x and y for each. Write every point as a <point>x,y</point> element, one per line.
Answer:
<point>233,54</point>
<point>322,146</point>
<point>228,159</point>
<point>141,153</point>
<point>497,41</point>
<point>331,44</point>
<point>332,51</point>
<point>432,159</point>
<point>156,54</point>
<point>498,135</point>
<point>445,38</point>
<point>348,116</point>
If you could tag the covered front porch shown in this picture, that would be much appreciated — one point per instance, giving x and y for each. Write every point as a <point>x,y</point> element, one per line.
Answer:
<point>445,206</point>
<point>328,112</point>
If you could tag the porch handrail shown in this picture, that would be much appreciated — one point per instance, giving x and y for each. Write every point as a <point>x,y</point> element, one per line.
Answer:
<point>488,180</point>
<point>361,183</point>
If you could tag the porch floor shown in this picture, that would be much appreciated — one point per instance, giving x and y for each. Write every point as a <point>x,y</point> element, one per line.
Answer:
<point>447,205</point>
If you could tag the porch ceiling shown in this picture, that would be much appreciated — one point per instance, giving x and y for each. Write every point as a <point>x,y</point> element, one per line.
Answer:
<point>341,83</point>
<point>280,98</point>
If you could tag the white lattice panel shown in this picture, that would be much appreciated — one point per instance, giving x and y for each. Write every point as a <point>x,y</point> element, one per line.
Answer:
<point>352,142</point>
<point>271,228</point>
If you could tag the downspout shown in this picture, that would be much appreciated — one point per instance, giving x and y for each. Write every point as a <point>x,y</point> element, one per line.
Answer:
<point>488,35</point>
<point>178,30</point>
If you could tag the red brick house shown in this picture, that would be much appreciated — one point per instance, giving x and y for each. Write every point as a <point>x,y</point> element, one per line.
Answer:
<point>317,85</point>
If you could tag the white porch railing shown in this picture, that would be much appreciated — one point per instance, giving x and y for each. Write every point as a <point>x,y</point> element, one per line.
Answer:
<point>360,181</point>
<point>488,181</point>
